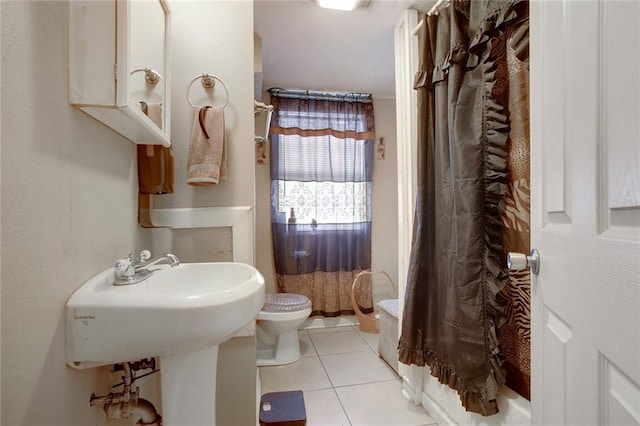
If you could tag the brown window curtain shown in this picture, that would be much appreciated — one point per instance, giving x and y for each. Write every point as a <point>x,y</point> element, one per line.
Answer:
<point>321,149</point>
<point>453,303</point>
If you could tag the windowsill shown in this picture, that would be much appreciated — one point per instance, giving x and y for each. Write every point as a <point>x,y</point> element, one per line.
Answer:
<point>321,232</point>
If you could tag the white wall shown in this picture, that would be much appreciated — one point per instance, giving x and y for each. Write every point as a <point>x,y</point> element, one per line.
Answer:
<point>68,211</point>
<point>214,37</point>
<point>384,237</point>
<point>69,194</point>
<point>384,217</point>
<point>264,248</point>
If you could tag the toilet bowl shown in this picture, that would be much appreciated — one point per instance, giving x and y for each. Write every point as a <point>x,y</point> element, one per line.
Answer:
<point>277,328</point>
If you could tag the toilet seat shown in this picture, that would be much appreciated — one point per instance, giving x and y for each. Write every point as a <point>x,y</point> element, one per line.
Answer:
<point>285,302</point>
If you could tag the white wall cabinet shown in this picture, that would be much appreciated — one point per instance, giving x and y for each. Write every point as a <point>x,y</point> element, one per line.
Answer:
<point>110,43</point>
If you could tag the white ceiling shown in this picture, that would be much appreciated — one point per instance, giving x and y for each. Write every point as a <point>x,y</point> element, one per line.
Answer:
<point>307,47</point>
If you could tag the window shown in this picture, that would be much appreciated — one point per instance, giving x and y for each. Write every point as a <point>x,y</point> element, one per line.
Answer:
<point>323,178</point>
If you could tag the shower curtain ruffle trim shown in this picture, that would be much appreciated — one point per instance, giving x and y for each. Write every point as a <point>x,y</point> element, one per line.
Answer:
<point>469,56</point>
<point>480,397</point>
<point>473,398</point>
<point>493,20</point>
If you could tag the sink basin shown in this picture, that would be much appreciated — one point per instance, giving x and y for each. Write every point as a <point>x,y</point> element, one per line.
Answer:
<point>175,311</point>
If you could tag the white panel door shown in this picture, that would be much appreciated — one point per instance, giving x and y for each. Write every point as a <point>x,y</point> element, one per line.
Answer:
<point>585,213</point>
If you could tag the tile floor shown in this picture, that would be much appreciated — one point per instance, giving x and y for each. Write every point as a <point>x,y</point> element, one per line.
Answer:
<point>344,381</point>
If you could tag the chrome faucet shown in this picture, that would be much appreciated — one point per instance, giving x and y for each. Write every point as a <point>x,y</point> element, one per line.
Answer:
<point>128,271</point>
<point>143,264</point>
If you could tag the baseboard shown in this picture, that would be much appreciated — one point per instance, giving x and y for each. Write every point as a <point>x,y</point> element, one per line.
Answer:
<point>436,412</point>
<point>433,409</point>
<point>322,322</point>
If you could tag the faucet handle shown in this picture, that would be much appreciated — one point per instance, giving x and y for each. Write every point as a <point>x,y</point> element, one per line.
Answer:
<point>123,267</point>
<point>122,264</point>
<point>144,255</point>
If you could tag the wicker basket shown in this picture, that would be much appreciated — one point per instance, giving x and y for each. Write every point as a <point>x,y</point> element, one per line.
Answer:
<point>368,322</point>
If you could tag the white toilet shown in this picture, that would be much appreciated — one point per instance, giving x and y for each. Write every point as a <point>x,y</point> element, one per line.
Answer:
<point>277,328</point>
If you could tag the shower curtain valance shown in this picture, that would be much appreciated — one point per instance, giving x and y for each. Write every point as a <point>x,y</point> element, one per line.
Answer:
<point>313,114</point>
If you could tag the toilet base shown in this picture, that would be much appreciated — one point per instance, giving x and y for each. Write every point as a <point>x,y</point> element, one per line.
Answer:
<point>286,350</point>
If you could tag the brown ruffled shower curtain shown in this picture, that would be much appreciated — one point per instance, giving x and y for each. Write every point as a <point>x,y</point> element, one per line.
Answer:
<point>454,300</point>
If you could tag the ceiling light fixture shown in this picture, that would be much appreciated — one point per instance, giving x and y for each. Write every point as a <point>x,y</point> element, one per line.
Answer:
<point>343,4</point>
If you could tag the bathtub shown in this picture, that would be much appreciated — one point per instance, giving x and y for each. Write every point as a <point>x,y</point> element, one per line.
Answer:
<point>443,404</point>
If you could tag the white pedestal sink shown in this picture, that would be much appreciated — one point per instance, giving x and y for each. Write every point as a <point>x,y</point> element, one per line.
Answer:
<point>179,314</point>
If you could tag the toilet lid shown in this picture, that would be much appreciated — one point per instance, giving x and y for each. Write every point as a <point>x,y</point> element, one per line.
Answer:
<point>285,302</point>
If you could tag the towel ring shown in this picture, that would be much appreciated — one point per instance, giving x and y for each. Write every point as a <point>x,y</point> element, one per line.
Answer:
<point>152,76</point>
<point>208,81</point>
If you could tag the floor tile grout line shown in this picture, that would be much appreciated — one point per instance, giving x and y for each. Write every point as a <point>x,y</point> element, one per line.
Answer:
<point>331,384</point>
<point>344,410</point>
<point>326,372</point>
<point>367,346</point>
<point>333,387</point>
<point>343,329</point>
<point>347,352</point>
<point>314,347</point>
<point>321,363</point>
<point>366,383</point>
<point>315,350</point>
<point>361,333</point>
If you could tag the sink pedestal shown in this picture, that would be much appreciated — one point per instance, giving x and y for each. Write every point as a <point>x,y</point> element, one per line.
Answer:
<point>188,386</point>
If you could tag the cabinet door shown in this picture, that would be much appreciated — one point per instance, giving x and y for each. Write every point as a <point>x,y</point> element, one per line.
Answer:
<point>105,43</point>
<point>92,53</point>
